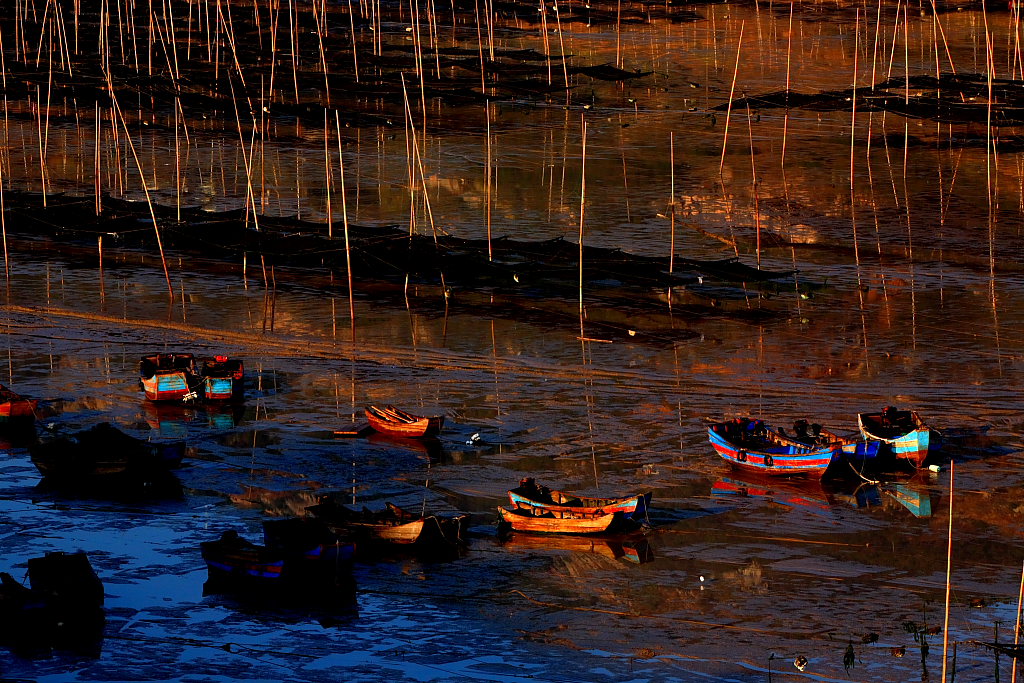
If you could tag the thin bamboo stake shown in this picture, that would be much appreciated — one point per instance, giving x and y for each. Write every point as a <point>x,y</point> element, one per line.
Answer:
<point>583,197</point>
<point>344,221</point>
<point>1016,629</point>
<point>672,202</point>
<point>949,571</point>
<point>145,189</point>
<point>732,90</point>
<point>789,50</point>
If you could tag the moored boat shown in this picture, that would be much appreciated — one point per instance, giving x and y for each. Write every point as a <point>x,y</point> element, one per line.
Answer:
<point>810,434</point>
<point>104,451</point>
<point>392,526</point>
<point>749,445</point>
<point>540,520</point>
<point>529,494</point>
<point>397,422</point>
<point>16,409</point>
<point>221,378</point>
<point>307,539</point>
<point>233,556</point>
<point>169,377</point>
<point>903,432</point>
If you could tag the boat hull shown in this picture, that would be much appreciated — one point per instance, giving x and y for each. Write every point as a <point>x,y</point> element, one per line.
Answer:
<point>907,438</point>
<point>15,409</point>
<point>632,507</point>
<point>168,377</point>
<point>537,520</point>
<point>416,428</point>
<point>785,460</point>
<point>222,378</point>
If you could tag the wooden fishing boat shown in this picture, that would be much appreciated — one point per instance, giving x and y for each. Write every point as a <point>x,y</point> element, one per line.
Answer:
<point>62,607</point>
<point>169,377</point>
<point>391,526</point>
<point>233,556</point>
<point>307,539</point>
<point>396,422</point>
<point>104,451</point>
<point>540,520</point>
<point>749,445</point>
<point>810,434</point>
<point>903,432</point>
<point>221,378</point>
<point>15,409</point>
<point>529,494</point>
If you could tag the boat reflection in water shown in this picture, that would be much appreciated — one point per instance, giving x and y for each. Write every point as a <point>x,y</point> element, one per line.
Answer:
<point>918,502</point>
<point>632,548</point>
<point>818,497</point>
<point>806,495</point>
<point>428,447</point>
<point>172,420</point>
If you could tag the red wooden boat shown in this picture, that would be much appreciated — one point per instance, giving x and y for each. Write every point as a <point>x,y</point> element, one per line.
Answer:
<point>16,409</point>
<point>169,377</point>
<point>396,422</point>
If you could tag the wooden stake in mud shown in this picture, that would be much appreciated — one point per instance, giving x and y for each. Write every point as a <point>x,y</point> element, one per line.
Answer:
<point>583,197</point>
<point>732,91</point>
<point>1016,630</point>
<point>145,189</point>
<point>949,570</point>
<point>753,187</point>
<point>785,120</point>
<point>672,202</point>
<point>344,222</point>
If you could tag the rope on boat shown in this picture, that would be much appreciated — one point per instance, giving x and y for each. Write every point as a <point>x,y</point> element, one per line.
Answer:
<point>859,474</point>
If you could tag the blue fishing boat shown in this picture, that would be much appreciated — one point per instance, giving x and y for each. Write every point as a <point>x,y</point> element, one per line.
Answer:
<point>903,433</point>
<point>221,378</point>
<point>857,451</point>
<point>749,445</point>
<point>169,376</point>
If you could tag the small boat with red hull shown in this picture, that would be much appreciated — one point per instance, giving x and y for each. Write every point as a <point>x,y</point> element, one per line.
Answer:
<point>169,377</point>
<point>749,445</point>
<point>15,409</point>
<point>529,494</point>
<point>902,432</point>
<point>397,422</point>
<point>221,378</point>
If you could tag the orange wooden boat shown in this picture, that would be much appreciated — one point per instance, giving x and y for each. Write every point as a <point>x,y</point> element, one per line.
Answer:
<point>397,422</point>
<point>540,520</point>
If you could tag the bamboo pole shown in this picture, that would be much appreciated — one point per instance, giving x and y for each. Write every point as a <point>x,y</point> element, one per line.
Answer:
<point>344,222</point>
<point>1016,629</point>
<point>732,91</point>
<point>583,197</point>
<point>949,571</point>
